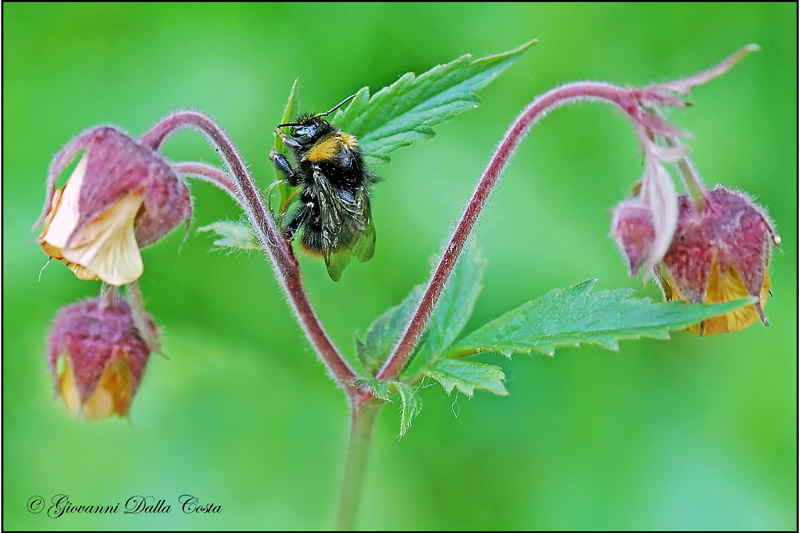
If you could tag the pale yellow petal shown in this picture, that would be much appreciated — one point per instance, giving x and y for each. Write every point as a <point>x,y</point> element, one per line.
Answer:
<point>724,288</point>
<point>107,247</point>
<point>101,403</point>
<point>112,394</point>
<point>68,391</point>
<point>99,406</point>
<point>65,208</point>
<point>119,385</point>
<point>48,248</point>
<point>81,272</point>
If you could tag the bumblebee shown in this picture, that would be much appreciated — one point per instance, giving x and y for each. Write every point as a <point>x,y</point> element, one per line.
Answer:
<point>334,212</point>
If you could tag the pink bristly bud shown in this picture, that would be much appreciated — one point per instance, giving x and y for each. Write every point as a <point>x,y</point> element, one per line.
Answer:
<point>97,357</point>
<point>633,230</point>
<point>721,254</point>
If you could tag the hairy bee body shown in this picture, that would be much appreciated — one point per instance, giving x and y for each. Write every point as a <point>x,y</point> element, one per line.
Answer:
<point>333,214</point>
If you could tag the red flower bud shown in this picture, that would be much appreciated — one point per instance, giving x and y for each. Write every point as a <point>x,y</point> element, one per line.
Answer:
<point>97,357</point>
<point>721,254</point>
<point>633,230</point>
<point>120,197</point>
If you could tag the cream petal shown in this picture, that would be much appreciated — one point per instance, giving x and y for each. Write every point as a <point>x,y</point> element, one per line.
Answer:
<point>66,208</point>
<point>112,394</point>
<point>68,390</point>
<point>99,405</point>
<point>107,245</point>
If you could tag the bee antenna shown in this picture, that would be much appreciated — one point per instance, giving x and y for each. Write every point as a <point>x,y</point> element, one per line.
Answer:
<point>289,124</point>
<point>337,106</point>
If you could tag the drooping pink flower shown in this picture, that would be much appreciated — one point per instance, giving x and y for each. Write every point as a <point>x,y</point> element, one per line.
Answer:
<point>717,254</point>
<point>721,254</point>
<point>714,245</point>
<point>121,196</point>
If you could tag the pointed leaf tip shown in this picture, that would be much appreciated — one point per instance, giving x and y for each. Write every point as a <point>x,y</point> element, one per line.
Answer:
<point>566,317</point>
<point>467,376</point>
<point>233,235</point>
<point>397,115</point>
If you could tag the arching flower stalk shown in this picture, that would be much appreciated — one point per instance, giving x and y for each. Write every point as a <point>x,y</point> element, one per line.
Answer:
<point>715,245</point>
<point>655,194</point>
<point>124,195</point>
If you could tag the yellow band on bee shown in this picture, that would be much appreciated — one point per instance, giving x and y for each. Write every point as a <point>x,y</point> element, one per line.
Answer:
<point>348,140</point>
<point>329,148</point>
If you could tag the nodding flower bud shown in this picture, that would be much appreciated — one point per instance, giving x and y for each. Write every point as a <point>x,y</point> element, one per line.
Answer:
<point>120,197</point>
<point>714,244</point>
<point>633,230</point>
<point>720,254</point>
<point>97,357</point>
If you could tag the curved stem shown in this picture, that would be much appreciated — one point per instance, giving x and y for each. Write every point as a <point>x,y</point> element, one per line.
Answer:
<point>572,92</point>
<point>210,174</point>
<point>363,415</point>
<point>147,330</point>
<point>688,173</point>
<point>691,179</point>
<point>280,253</point>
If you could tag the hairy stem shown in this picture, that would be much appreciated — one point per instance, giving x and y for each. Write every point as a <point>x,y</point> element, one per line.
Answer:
<point>572,92</point>
<point>147,329</point>
<point>689,175</point>
<point>280,253</point>
<point>210,174</point>
<point>363,415</point>
<point>691,179</point>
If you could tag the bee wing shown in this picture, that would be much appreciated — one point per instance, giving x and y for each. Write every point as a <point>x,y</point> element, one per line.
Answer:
<point>347,227</point>
<point>365,245</point>
<point>337,262</point>
<point>332,213</point>
<point>358,232</point>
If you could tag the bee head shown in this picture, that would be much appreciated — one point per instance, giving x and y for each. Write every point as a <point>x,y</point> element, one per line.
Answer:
<point>309,128</point>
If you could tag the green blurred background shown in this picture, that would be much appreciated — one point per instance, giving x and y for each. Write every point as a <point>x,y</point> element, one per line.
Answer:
<point>686,434</point>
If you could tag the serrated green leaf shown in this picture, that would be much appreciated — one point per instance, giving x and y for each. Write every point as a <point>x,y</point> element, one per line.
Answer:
<point>383,334</point>
<point>467,376</point>
<point>568,317</point>
<point>381,389</point>
<point>289,113</point>
<point>410,405</point>
<point>455,306</point>
<point>233,235</point>
<point>407,110</point>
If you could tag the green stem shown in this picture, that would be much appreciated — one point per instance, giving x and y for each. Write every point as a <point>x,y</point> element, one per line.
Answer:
<point>143,322</point>
<point>362,422</point>
<point>692,180</point>
<point>689,175</point>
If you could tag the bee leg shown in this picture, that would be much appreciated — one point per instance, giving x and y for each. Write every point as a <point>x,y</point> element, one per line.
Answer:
<point>283,165</point>
<point>298,219</point>
<point>288,142</point>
